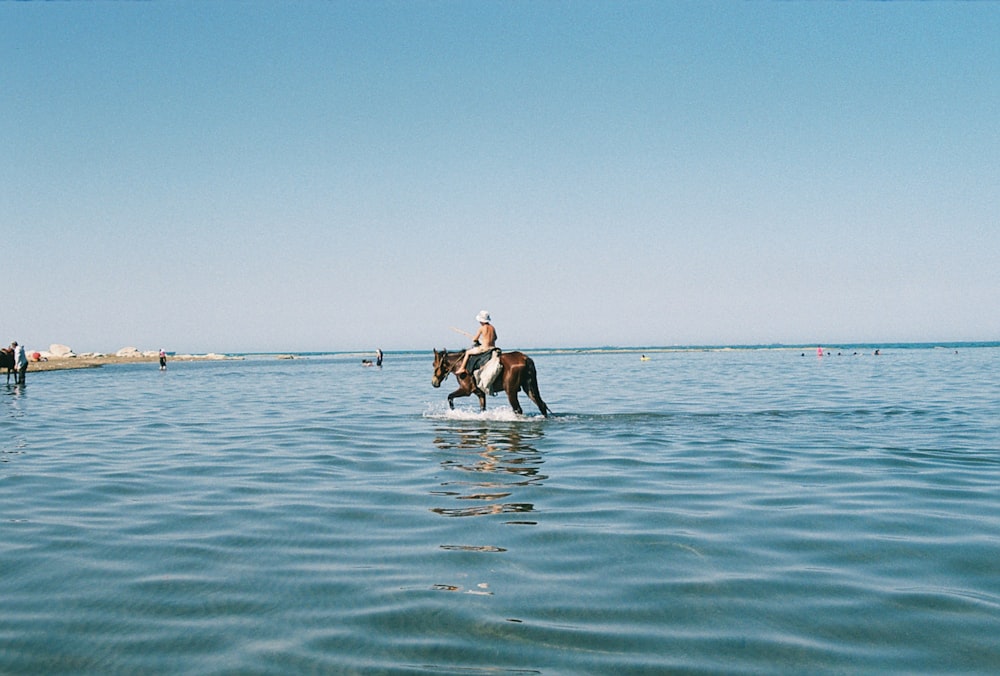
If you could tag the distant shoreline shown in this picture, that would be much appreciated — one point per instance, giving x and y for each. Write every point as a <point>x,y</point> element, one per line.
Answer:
<point>91,360</point>
<point>97,361</point>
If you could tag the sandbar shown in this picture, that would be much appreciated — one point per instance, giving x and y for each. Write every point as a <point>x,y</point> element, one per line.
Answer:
<point>88,361</point>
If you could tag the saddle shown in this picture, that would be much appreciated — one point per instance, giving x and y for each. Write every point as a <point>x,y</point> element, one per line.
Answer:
<point>485,369</point>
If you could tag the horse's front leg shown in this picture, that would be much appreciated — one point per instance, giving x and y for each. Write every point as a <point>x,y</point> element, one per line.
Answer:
<point>463,390</point>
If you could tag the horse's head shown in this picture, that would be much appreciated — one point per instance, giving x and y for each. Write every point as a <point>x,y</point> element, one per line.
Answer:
<point>442,367</point>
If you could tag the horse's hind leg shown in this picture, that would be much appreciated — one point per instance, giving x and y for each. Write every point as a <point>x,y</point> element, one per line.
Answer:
<point>512,398</point>
<point>511,384</point>
<point>536,397</point>
<point>531,389</point>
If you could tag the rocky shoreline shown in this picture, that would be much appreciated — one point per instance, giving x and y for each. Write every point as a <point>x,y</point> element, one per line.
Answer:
<point>60,357</point>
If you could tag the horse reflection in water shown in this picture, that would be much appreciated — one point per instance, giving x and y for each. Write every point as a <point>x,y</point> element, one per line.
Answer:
<point>502,464</point>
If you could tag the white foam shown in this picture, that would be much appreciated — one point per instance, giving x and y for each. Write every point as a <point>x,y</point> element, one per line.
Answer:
<point>441,411</point>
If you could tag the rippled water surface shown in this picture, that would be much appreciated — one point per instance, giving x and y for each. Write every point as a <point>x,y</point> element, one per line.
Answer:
<point>746,510</point>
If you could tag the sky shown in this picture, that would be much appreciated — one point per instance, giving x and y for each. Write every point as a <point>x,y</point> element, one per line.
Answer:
<point>327,176</point>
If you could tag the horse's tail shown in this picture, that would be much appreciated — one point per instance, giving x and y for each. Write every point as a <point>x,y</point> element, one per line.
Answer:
<point>530,385</point>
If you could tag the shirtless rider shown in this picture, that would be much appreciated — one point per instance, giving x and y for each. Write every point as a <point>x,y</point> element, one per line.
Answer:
<point>484,341</point>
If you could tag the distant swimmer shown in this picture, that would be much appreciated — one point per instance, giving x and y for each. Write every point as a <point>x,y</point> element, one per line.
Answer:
<point>643,358</point>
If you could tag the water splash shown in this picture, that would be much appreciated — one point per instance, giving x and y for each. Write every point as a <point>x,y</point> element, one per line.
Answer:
<point>497,414</point>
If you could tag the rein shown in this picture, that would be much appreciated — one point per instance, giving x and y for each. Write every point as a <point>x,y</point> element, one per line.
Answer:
<point>451,361</point>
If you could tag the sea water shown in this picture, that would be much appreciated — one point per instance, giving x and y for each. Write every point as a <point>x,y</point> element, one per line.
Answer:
<point>750,510</point>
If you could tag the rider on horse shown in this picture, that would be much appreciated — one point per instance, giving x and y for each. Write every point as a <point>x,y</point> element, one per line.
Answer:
<point>484,341</point>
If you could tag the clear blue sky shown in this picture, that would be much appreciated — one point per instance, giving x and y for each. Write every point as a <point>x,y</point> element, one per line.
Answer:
<point>241,176</point>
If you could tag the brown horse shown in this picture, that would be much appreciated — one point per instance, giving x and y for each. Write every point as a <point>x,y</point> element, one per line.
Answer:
<point>7,362</point>
<point>518,374</point>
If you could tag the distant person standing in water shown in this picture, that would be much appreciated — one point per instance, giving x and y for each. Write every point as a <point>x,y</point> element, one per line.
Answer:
<point>163,360</point>
<point>378,357</point>
<point>484,340</point>
<point>20,363</point>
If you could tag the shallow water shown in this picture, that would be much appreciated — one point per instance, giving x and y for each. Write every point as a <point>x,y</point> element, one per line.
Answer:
<point>746,510</point>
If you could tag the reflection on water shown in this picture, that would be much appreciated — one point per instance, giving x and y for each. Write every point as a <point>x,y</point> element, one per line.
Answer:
<point>16,444</point>
<point>489,467</point>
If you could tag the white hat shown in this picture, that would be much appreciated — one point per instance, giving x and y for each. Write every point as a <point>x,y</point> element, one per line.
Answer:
<point>483,317</point>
